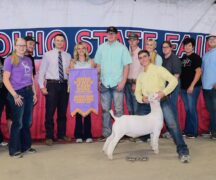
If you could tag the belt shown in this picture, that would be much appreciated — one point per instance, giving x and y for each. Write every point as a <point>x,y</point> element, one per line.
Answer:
<point>131,81</point>
<point>26,88</point>
<point>56,81</point>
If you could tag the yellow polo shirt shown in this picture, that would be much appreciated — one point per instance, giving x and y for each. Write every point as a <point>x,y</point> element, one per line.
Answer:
<point>154,80</point>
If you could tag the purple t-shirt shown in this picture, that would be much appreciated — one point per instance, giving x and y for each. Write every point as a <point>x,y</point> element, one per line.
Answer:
<point>21,74</point>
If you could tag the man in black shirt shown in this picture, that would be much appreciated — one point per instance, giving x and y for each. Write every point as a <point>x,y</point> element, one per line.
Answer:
<point>31,42</point>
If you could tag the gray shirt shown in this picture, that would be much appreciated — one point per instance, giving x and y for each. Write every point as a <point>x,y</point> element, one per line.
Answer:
<point>172,64</point>
<point>49,66</point>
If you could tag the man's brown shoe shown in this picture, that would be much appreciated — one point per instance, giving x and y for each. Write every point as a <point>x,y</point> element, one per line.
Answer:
<point>49,142</point>
<point>65,138</point>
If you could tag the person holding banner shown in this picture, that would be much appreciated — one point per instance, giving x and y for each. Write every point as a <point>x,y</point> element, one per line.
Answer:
<point>18,79</point>
<point>81,60</point>
<point>112,59</point>
<point>53,69</point>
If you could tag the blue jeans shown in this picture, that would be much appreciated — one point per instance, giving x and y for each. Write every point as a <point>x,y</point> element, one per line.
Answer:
<point>1,110</point>
<point>210,101</point>
<point>130,99</point>
<point>143,109</point>
<point>173,98</point>
<point>20,136</point>
<point>190,103</point>
<point>171,122</point>
<point>107,95</point>
<point>174,129</point>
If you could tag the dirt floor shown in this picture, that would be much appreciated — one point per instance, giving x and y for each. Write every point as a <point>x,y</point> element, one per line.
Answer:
<point>87,162</point>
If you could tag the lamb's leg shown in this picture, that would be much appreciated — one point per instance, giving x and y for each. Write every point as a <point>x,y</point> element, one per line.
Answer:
<point>112,146</point>
<point>155,147</point>
<point>106,144</point>
<point>151,140</point>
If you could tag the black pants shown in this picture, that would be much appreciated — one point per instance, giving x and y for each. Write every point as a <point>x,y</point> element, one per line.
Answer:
<point>79,131</point>
<point>57,98</point>
<point>3,100</point>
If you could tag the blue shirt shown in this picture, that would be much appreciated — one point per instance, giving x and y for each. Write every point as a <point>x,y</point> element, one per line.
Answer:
<point>209,69</point>
<point>112,58</point>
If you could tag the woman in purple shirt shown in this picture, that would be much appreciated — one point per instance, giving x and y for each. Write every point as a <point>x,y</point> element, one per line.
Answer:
<point>18,79</point>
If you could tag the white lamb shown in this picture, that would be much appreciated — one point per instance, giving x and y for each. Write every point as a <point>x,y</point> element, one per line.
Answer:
<point>135,126</point>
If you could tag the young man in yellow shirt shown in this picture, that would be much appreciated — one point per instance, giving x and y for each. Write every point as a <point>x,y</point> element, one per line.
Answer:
<point>153,80</point>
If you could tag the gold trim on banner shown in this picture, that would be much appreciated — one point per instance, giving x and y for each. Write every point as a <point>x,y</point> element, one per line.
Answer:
<point>84,114</point>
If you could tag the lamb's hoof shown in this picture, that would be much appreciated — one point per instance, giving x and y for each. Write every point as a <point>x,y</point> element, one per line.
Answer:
<point>156,151</point>
<point>105,152</point>
<point>110,157</point>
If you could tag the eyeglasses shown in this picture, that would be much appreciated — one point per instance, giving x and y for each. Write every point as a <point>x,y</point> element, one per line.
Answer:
<point>19,45</point>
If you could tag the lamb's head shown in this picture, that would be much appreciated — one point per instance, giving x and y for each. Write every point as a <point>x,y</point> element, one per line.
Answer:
<point>153,100</point>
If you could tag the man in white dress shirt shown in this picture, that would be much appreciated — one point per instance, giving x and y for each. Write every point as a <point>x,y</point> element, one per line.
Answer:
<point>52,71</point>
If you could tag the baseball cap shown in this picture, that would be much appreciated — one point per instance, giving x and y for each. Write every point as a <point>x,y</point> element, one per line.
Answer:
<point>133,36</point>
<point>211,35</point>
<point>112,29</point>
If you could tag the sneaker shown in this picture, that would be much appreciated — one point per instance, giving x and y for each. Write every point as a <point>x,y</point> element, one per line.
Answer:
<point>183,134</point>
<point>3,144</point>
<point>184,158</point>
<point>49,142</point>
<point>213,136</point>
<point>190,136</point>
<point>89,140</point>
<point>166,135</point>
<point>17,155</point>
<point>65,138</point>
<point>31,151</point>
<point>206,135</point>
<point>79,140</point>
<point>102,139</point>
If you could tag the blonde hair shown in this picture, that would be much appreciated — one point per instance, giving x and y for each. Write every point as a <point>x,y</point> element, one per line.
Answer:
<point>14,56</point>
<point>76,55</point>
<point>154,53</point>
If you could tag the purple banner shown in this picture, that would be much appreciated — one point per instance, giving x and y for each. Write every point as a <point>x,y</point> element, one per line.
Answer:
<point>83,91</point>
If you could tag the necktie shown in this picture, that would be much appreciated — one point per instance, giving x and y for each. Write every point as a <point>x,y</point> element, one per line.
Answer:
<point>60,65</point>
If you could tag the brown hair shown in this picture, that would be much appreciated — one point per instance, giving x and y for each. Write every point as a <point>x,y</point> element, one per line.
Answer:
<point>143,51</point>
<point>168,43</point>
